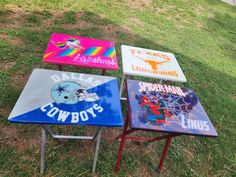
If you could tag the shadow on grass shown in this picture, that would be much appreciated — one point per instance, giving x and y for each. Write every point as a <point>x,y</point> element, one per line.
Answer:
<point>215,89</point>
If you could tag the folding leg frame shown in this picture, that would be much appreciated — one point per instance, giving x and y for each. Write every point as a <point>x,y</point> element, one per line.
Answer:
<point>124,136</point>
<point>46,129</point>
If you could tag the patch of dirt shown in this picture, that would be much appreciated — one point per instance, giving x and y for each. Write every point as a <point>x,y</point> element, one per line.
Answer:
<point>164,10</point>
<point>188,153</point>
<point>19,80</point>
<point>15,41</point>
<point>5,111</point>
<point>5,65</point>
<point>137,4</point>
<point>199,9</point>
<point>12,138</point>
<point>110,134</point>
<point>136,21</point>
<point>112,32</point>
<point>143,171</point>
<point>81,24</point>
<point>14,19</point>
<point>234,97</point>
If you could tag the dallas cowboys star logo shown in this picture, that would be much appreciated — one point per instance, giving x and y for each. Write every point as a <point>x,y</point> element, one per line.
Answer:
<point>60,89</point>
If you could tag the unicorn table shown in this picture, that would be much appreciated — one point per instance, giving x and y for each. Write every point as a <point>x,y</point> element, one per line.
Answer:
<point>163,108</point>
<point>65,98</point>
<point>80,51</point>
<point>149,63</point>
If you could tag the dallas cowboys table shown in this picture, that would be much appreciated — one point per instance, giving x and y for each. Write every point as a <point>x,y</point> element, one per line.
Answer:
<point>79,51</point>
<point>149,63</point>
<point>163,108</point>
<point>56,97</point>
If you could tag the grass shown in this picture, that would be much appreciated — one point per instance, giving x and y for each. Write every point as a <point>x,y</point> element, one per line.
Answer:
<point>200,33</point>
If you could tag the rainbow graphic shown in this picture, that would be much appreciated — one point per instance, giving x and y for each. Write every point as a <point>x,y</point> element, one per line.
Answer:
<point>60,45</point>
<point>64,53</point>
<point>110,52</point>
<point>94,51</point>
<point>72,39</point>
<point>68,52</point>
<point>49,54</point>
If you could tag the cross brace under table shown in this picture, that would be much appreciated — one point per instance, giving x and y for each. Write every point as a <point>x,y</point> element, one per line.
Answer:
<point>46,129</point>
<point>124,136</point>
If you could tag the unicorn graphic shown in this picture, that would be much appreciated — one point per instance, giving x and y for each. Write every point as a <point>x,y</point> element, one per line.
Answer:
<point>72,43</point>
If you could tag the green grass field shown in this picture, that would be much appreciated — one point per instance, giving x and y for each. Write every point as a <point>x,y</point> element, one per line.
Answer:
<point>201,34</point>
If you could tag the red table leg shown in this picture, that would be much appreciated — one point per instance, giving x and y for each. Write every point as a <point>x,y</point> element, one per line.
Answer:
<point>122,143</point>
<point>164,153</point>
<point>60,67</point>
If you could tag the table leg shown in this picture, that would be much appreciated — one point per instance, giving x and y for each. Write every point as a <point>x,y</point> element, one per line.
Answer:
<point>60,67</point>
<point>96,151</point>
<point>122,143</point>
<point>103,72</point>
<point>164,153</point>
<point>43,144</point>
<point>122,85</point>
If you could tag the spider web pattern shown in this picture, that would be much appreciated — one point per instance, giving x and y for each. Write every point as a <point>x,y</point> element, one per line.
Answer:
<point>177,105</point>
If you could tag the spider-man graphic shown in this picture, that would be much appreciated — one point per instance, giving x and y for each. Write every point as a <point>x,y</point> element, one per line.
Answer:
<point>157,111</point>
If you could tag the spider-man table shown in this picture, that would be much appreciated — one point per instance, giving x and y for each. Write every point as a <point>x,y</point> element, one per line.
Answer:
<point>149,63</point>
<point>168,109</point>
<point>79,51</point>
<point>65,98</point>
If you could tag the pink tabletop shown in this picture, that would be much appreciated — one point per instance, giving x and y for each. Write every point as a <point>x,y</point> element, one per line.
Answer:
<point>80,51</point>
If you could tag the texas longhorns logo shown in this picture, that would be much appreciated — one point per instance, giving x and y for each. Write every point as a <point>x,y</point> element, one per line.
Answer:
<point>154,64</point>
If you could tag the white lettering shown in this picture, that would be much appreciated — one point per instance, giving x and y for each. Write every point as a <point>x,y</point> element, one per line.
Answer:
<point>46,105</point>
<point>63,115</point>
<point>90,110</point>
<point>206,126</point>
<point>65,77</point>
<point>74,117</point>
<point>56,78</point>
<point>83,115</point>
<point>53,112</point>
<point>142,86</point>
<point>98,108</point>
<point>73,76</point>
<point>183,122</point>
<point>194,124</point>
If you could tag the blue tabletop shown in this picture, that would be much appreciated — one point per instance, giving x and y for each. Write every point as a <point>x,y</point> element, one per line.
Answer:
<point>167,108</point>
<point>56,97</point>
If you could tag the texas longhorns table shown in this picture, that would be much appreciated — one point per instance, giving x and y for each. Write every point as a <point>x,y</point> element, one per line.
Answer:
<point>163,108</point>
<point>66,98</point>
<point>80,51</point>
<point>149,63</point>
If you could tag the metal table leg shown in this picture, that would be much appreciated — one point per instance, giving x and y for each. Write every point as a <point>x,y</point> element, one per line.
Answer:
<point>43,144</point>
<point>45,128</point>
<point>60,67</point>
<point>103,72</point>
<point>96,150</point>
<point>122,87</point>
<point>164,153</point>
